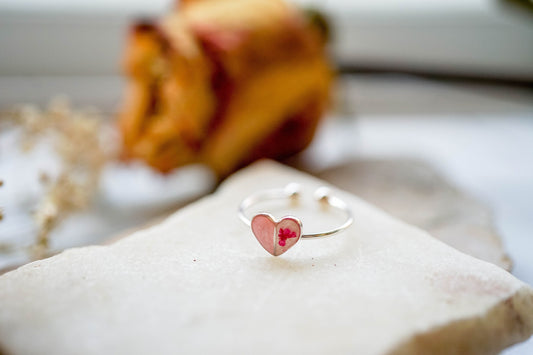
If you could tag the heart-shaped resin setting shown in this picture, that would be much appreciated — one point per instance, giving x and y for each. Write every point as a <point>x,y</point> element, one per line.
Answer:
<point>276,236</point>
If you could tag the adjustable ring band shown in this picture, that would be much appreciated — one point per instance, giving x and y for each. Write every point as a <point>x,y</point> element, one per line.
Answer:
<point>278,236</point>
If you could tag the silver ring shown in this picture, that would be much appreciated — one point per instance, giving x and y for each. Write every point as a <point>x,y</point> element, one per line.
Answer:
<point>278,236</point>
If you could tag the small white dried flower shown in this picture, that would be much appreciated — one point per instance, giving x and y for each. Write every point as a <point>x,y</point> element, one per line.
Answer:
<point>76,137</point>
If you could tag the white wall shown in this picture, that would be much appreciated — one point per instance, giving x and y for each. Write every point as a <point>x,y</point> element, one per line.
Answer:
<point>472,37</point>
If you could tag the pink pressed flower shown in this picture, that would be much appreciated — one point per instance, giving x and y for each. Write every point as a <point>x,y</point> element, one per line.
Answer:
<point>284,234</point>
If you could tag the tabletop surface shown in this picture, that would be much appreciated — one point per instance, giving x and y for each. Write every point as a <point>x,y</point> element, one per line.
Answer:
<point>479,136</point>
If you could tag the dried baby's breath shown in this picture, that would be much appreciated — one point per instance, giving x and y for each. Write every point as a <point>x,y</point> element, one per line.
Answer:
<point>76,137</point>
<point>1,209</point>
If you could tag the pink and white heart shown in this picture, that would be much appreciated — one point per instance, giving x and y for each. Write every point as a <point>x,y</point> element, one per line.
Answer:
<point>276,236</point>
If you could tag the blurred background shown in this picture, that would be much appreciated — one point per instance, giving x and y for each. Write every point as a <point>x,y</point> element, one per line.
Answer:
<point>444,82</point>
<point>488,39</point>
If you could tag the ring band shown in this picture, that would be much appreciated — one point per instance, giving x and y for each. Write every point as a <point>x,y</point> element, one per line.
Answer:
<point>278,236</point>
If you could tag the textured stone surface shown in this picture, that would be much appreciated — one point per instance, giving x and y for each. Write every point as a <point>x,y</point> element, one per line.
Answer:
<point>199,282</point>
<point>414,192</point>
